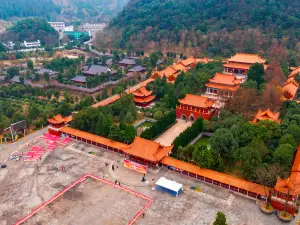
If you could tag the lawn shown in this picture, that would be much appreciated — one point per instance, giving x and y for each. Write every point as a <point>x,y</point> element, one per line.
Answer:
<point>146,124</point>
<point>204,140</point>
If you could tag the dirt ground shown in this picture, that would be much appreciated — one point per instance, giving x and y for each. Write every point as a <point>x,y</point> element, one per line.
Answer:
<point>26,185</point>
<point>91,202</point>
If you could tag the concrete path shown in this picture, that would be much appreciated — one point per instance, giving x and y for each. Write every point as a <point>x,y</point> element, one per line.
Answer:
<point>169,136</point>
<point>12,147</point>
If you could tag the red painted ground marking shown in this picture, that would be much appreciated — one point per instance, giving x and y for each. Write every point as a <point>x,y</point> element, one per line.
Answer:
<point>80,180</point>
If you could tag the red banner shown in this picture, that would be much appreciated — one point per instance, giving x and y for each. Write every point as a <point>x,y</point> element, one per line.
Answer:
<point>135,166</point>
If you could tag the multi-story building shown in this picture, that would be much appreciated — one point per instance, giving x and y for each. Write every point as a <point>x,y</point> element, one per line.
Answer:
<point>93,28</point>
<point>143,97</point>
<point>58,26</point>
<point>222,85</point>
<point>33,44</point>
<point>194,106</point>
<point>240,63</point>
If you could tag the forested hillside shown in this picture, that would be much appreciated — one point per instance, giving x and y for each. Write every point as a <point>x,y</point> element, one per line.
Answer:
<point>218,26</point>
<point>25,8</point>
<point>66,10</point>
<point>32,30</point>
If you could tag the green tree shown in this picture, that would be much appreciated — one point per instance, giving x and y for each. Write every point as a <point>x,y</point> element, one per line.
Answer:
<point>65,109</point>
<point>13,71</point>
<point>220,219</point>
<point>283,155</point>
<point>294,130</point>
<point>224,143</point>
<point>158,115</point>
<point>205,157</point>
<point>288,139</point>
<point>47,76</point>
<point>128,118</point>
<point>256,73</point>
<point>30,64</point>
<point>250,161</point>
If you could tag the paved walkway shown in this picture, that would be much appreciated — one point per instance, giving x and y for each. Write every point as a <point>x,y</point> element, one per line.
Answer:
<point>169,136</point>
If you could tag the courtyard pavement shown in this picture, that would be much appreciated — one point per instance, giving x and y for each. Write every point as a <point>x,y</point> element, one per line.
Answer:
<point>26,185</point>
<point>169,136</point>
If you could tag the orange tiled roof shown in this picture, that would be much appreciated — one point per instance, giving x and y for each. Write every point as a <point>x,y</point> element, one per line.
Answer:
<point>149,150</point>
<point>188,61</point>
<point>58,119</point>
<point>225,79</point>
<point>294,72</point>
<point>266,115</point>
<point>117,97</point>
<point>197,101</point>
<point>204,60</point>
<point>247,58</point>
<point>142,92</point>
<point>142,148</point>
<point>290,89</point>
<point>220,177</point>
<point>94,138</point>
<point>291,184</point>
<point>179,67</point>
<point>144,100</point>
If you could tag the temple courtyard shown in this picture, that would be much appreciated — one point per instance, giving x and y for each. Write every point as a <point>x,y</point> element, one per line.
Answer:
<point>27,185</point>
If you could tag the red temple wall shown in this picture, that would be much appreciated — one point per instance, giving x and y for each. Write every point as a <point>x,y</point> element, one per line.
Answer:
<point>180,112</point>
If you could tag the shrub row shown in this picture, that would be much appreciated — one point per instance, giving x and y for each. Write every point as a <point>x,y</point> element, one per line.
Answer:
<point>189,134</point>
<point>160,126</point>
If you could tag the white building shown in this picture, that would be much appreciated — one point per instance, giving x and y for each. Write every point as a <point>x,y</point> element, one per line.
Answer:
<point>58,26</point>
<point>69,28</point>
<point>93,28</point>
<point>32,44</point>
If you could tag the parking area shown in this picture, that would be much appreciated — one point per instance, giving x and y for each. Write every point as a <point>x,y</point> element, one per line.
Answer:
<point>26,185</point>
<point>169,135</point>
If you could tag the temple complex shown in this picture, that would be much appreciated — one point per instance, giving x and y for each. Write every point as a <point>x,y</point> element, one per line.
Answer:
<point>143,97</point>
<point>194,106</point>
<point>266,115</point>
<point>222,85</point>
<point>240,63</point>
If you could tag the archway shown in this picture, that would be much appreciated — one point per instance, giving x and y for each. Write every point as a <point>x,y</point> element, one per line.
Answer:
<point>192,118</point>
<point>183,117</point>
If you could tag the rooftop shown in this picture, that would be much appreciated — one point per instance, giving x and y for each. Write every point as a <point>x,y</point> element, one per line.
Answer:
<point>96,69</point>
<point>295,72</point>
<point>266,115</point>
<point>225,79</point>
<point>137,68</point>
<point>247,58</point>
<point>197,101</point>
<point>44,70</point>
<point>290,89</point>
<point>188,61</point>
<point>148,150</point>
<point>81,79</point>
<point>127,62</point>
<point>222,178</point>
<point>58,119</point>
<point>142,92</point>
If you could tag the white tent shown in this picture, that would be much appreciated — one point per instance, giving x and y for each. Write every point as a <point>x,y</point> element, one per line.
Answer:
<point>172,187</point>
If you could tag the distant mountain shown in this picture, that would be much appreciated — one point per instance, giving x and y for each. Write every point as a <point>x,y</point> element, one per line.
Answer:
<point>215,26</point>
<point>66,10</point>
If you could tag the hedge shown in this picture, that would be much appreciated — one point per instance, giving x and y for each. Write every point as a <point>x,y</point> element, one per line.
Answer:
<point>189,134</point>
<point>160,126</point>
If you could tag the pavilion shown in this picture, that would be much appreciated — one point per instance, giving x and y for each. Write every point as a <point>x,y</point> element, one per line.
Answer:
<point>223,85</point>
<point>143,97</point>
<point>266,115</point>
<point>290,89</point>
<point>194,106</point>
<point>58,122</point>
